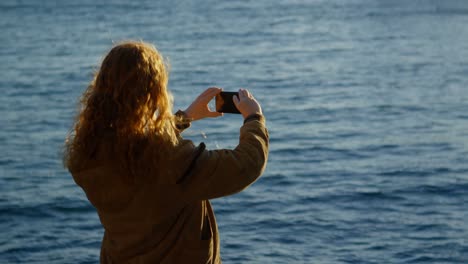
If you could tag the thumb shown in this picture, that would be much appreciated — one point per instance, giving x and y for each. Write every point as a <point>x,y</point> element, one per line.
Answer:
<point>214,114</point>
<point>236,101</point>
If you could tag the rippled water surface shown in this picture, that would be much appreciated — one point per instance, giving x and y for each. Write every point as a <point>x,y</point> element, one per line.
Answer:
<point>367,107</point>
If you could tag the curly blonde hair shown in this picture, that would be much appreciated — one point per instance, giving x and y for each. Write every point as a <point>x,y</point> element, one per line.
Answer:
<point>128,102</point>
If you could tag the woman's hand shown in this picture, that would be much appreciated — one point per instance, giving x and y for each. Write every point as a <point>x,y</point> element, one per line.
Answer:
<point>247,104</point>
<point>199,108</point>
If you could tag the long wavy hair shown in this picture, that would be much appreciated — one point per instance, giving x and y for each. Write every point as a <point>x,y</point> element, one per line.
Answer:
<point>127,103</point>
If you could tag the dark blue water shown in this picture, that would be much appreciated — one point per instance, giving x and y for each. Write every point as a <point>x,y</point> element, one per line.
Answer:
<point>367,106</point>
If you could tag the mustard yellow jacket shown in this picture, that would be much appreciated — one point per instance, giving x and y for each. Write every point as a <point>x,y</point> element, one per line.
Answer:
<point>168,219</point>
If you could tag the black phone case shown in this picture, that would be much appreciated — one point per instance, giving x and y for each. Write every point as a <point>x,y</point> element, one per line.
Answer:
<point>225,104</point>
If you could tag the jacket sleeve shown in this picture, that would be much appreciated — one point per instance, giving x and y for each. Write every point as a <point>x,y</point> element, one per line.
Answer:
<point>217,173</point>
<point>181,121</point>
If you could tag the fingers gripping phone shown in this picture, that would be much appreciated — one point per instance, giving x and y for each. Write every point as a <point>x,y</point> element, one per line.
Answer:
<point>225,104</point>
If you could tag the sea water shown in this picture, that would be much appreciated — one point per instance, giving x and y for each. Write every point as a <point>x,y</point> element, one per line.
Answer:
<point>366,104</point>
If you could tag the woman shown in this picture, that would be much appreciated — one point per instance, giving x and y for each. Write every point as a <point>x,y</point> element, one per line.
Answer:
<point>149,186</point>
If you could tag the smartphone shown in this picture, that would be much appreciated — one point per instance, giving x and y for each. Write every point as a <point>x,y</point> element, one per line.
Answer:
<point>225,104</point>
